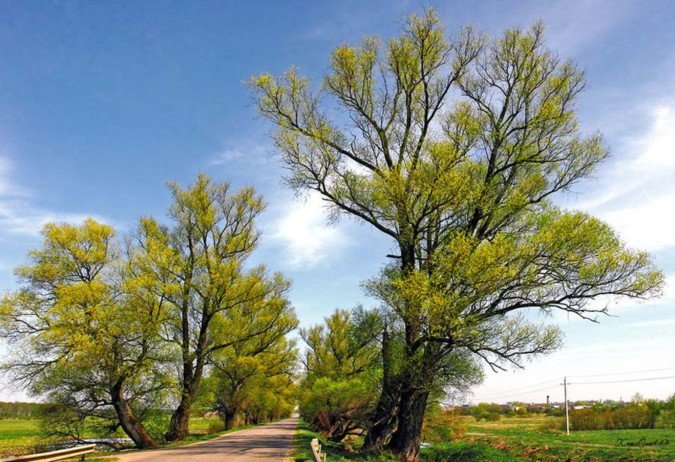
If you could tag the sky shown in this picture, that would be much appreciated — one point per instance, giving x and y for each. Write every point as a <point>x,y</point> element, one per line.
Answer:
<point>102,103</point>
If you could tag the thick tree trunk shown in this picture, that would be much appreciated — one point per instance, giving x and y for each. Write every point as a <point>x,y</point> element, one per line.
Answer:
<point>130,424</point>
<point>385,420</point>
<point>405,442</point>
<point>179,427</point>
<point>230,418</point>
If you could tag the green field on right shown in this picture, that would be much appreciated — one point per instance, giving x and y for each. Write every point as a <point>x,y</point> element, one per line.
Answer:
<point>539,438</point>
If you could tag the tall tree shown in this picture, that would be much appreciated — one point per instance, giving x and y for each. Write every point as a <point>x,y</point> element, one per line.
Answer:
<point>85,334</point>
<point>454,150</point>
<point>201,262</point>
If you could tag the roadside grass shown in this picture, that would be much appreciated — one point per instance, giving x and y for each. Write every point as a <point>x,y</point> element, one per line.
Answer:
<point>302,452</point>
<point>455,451</point>
<point>534,439</point>
<point>17,435</point>
<point>20,436</point>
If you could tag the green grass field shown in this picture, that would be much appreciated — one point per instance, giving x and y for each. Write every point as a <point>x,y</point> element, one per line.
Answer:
<point>520,439</point>
<point>18,436</point>
<point>527,439</point>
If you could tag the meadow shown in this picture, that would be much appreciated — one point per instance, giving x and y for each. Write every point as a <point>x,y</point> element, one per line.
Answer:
<point>536,438</point>
<point>20,436</point>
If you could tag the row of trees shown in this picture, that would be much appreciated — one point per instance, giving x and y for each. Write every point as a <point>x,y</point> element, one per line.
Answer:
<point>113,329</point>
<point>453,149</point>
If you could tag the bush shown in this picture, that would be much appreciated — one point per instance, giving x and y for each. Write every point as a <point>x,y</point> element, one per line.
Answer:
<point>156,423</point>
<point>633,416</point>
<point>550,426</point>
<point>216,426</point>
<point>337,407</point>
<point>443,426</point>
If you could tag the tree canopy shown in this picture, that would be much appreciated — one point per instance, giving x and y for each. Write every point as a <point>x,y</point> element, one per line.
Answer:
<point>454,148</point>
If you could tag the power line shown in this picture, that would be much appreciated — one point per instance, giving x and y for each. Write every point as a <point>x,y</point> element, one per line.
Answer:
<point>622,381</point>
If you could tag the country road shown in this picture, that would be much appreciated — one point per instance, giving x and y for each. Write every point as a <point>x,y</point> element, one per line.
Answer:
<point>271,442</point>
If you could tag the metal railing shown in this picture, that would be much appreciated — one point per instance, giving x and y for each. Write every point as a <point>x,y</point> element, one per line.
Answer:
<point>316,451</point>
<point>61,454</point>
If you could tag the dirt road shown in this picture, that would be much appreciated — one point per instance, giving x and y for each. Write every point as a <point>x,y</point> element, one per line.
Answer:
<point>271,442</point>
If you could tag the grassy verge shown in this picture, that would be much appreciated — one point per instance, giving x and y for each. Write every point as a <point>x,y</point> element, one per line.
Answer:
<point>20,436</point>
<point>456,452</point>
<point>527,439</point>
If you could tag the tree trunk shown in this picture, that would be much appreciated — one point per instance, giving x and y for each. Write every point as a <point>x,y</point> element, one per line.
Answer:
<point>405,442</point>
<point>130,424</point>
<point>230,418</point>
<point>179,426</point>
<point>384,421</point>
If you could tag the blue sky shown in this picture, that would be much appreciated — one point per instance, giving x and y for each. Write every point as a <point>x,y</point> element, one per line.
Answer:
<point>101,103</point>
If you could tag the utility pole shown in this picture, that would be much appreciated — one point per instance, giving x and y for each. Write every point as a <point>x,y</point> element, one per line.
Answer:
<point>567,408</point>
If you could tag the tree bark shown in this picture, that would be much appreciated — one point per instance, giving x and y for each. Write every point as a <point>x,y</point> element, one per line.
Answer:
<point>130,424</point>
<point>230,415</point>
<point>179,427</point>
<point>405,442</point>
<point>385,420</point>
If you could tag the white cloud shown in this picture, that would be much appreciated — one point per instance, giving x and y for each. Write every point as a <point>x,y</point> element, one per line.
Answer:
<point>226,156</point>
<point>637,194</point>
<point>305,234</point>
<point>18,213</point>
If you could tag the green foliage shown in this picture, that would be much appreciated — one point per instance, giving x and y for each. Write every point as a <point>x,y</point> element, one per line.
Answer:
<point>462,185</point>
<point>253,380</point>
<point>342,360</point>
<point>18,410</point>
<point>441,425</point>
<point>631,416</point>
<point>198,267</point>
<point>85,335</point>
<point>101,325</point>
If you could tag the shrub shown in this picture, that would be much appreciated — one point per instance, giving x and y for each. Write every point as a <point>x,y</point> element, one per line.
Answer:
<point>493,417</point>
<point>632,416</point>
<point>550,426</point>
<point>216,426</point>
<point>443,426</point>
<point>156,423</point>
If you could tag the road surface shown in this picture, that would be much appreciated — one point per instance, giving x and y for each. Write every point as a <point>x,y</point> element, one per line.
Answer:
<point>271,442</point>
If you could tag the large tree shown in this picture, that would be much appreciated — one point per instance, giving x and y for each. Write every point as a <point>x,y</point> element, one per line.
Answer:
<point>454,149</point>
<point>215,301</point>
<point>85,332</point>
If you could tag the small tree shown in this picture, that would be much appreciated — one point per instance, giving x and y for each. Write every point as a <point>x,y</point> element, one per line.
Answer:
<point>342,369</point>
<point>454,149</point>
<point>84,333</point>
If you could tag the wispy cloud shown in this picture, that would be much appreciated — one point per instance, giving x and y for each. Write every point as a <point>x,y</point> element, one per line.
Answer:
<point>225,156</point>
<point>304,234</point>
<point>19,216</point>
<point>637,193</point>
